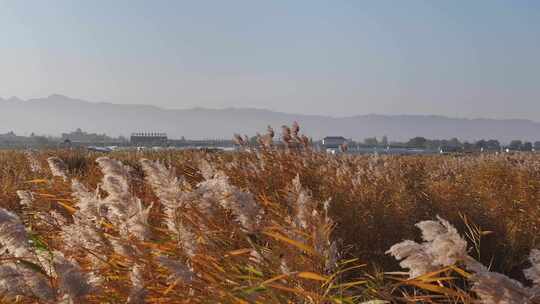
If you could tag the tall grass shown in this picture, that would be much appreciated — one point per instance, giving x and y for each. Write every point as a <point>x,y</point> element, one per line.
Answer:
<point>268,225</point>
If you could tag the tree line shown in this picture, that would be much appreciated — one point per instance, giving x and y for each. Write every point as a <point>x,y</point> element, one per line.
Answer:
<point>433,144</point>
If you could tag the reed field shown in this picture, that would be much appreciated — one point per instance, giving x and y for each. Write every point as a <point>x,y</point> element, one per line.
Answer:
<point>268,225</point>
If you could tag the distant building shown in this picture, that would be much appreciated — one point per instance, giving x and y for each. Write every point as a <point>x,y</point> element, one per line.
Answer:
<point>149,139</point>
<point>333,142</point>
<point>79,137</point>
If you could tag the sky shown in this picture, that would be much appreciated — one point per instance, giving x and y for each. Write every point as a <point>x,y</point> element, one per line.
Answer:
<point>456,58</point>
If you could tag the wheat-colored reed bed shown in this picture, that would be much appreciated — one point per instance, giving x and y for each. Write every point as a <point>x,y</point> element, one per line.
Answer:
<point>268,226</point>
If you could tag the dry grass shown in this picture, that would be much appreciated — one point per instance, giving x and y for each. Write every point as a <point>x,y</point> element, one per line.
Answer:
<point>272,226</point>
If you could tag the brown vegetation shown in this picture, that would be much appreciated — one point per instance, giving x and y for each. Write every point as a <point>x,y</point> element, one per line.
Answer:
<point>266,226</point>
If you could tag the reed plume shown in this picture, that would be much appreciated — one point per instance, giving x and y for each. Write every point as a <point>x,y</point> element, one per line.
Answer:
<point>443,246</point>
<point>58,167</point>
<point>33,162</point>
<point>15,278</point>
<point>123,209</point>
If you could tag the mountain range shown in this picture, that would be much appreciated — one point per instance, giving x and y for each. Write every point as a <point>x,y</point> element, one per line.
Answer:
<point>55,114</point>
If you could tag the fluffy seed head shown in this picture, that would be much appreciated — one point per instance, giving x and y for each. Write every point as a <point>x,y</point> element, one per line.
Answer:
<point>57,167</point>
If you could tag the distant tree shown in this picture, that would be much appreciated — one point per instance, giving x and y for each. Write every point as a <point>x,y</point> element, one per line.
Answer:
<point>41,140</point>
<point>481,144</point>
<point>454,142</point>
<point>527,146</point>
<point>384,141</point>
<point>537,146</point>
<point>417,142</point>
<point>434,144</point>
<point>515,145</point>
<point>371,141</point>
<point>493,144</point>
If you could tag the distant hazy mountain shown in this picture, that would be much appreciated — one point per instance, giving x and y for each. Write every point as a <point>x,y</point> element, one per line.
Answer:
<point>56,114</point>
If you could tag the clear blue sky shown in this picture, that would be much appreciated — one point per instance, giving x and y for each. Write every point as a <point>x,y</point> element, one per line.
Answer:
<point>458,58</point>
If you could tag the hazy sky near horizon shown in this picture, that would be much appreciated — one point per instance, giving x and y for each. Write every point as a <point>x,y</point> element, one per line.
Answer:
<point>457,58</point>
